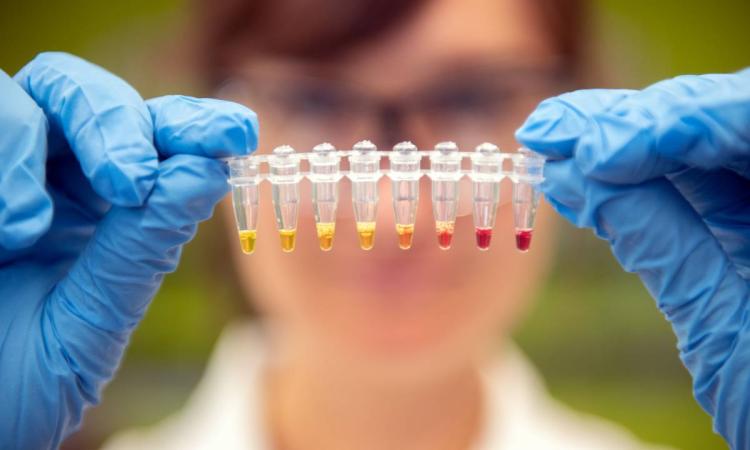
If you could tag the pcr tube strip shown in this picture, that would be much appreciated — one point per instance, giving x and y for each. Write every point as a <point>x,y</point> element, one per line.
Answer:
<point>487,170</point>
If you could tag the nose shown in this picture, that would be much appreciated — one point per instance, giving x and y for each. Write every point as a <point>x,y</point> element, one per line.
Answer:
<point>394,123</point>
<point>391,125</point>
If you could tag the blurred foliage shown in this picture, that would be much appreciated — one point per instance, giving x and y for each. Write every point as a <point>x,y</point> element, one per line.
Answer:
<point>645,41</point>
<point>595,334</point>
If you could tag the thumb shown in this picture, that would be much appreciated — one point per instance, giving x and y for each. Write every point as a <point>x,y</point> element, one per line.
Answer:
<point>94,308</point>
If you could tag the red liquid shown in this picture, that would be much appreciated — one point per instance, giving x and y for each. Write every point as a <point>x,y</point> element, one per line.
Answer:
<point>484,235</point>
<point>523,240</point>
<point>444,239</point>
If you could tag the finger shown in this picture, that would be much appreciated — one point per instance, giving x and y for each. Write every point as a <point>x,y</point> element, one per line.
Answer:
<point>695,121</point>
<point>25,206</point>
<point>94,308</point>
<point>654,232</point>
<point>102,118</point>
<point>554,128</point>
<point>722,198</point>
<point>202,126</point>
<point>719,196</point>
<point>565,197</point>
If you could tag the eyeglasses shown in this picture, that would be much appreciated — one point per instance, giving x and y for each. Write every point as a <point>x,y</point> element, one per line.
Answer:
<point>463,105</point>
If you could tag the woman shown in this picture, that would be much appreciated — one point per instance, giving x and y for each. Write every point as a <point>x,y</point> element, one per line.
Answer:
<point>384,349</point>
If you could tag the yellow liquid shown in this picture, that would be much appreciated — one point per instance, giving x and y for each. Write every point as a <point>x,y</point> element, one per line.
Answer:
<point>247,241</point>
<point>325,235</point>
<point>366,231</point>
<point>288,238</point>
<point>405,235</point>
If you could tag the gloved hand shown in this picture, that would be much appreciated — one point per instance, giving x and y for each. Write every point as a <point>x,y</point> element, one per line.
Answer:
<point>663,174</point>
<point>99,190</point>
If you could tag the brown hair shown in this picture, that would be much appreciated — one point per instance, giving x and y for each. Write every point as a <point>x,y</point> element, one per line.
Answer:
<point>326,28</point>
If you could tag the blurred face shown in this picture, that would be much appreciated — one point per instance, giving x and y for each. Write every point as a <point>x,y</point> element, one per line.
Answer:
<point>461,70</point>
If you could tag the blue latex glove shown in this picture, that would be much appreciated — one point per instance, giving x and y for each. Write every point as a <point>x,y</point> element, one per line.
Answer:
<point>99,190</point>
<point>663,175</point>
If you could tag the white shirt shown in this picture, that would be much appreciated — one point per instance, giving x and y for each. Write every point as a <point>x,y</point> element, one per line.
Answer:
<point>519,415</point>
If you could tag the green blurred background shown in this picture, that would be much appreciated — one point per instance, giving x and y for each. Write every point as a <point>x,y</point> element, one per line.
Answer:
<point>595,332</point>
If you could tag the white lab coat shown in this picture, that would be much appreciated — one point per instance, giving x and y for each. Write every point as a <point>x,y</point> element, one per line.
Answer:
<point>220,414</point>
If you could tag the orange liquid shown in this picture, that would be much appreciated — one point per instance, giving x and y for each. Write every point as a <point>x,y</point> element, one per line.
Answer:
<point>405,236</point>
<point>366,231</point>
<point>325,235</point>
